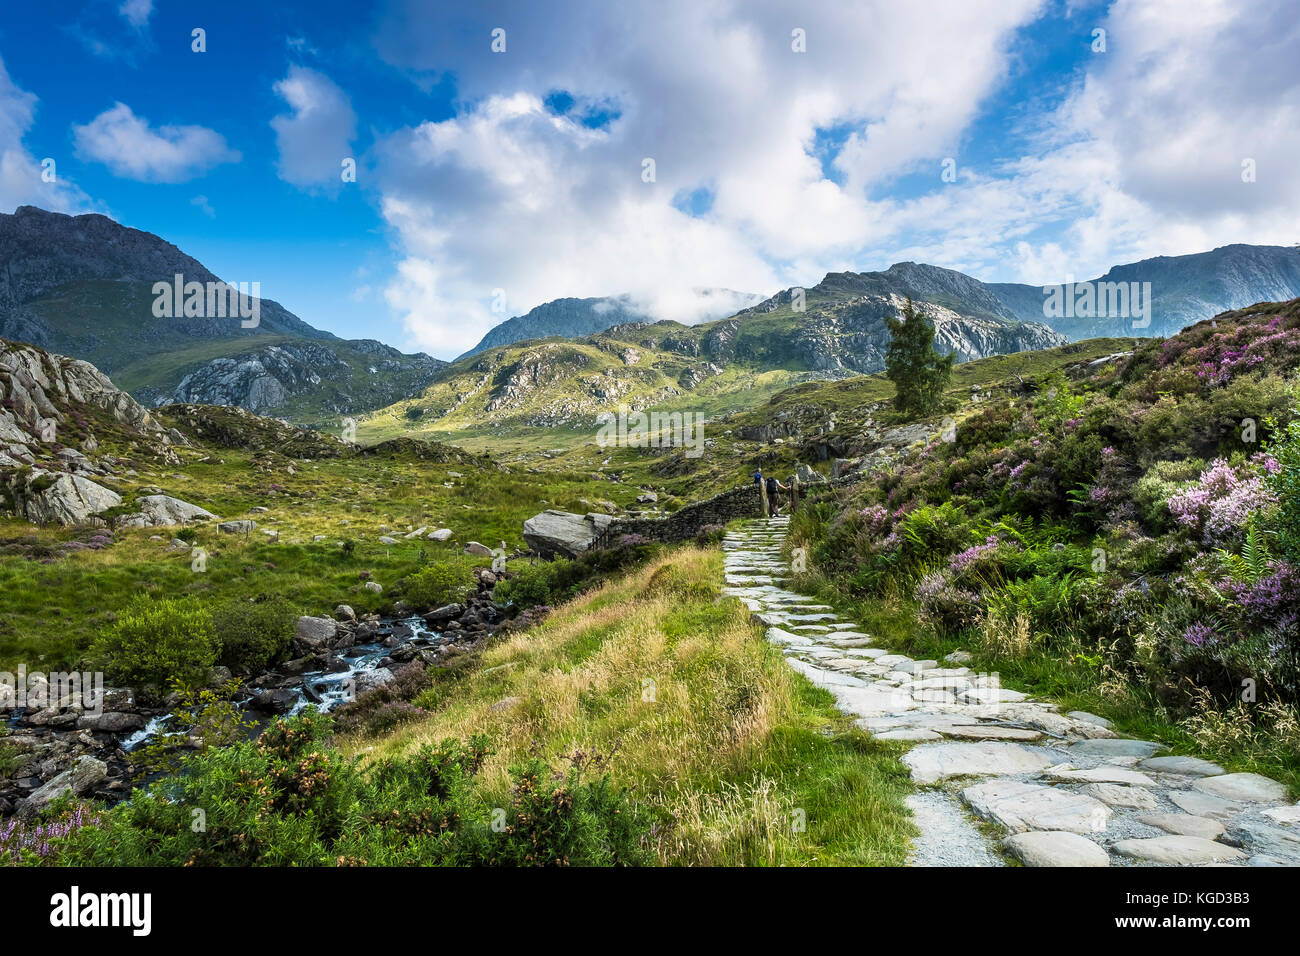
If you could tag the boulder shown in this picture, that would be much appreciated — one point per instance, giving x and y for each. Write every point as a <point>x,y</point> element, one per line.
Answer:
<point>807,476</point>
<point>344,612</point>
<point>369,680</point>
<point>242,526</point>
<point>80,778</point>
<point>275,701</point>
<point>46,498</point>
<point>1242,787</point>
<point>564,533</point>
<point>163,511</point>
<point>442,534</point>
<point>314,635</point>
<point>480,550</point>
<point>445,613</point>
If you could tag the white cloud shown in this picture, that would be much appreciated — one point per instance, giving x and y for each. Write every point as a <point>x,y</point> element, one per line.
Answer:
<point>137,12</point>
<point>507,195</point>
<point>316,137</point>
<point>23,179</point>
<point>128,146</point>
<point>205,207</point>
<point>1141,158</point>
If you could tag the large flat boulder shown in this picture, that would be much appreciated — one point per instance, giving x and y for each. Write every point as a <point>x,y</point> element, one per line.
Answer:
<point>1242,787</point>
<point>48,498</point>
<point>1055,848</point>
<point>563,532</point>
<point>158,511</point>
<point>1177,851</point>
<point>80,778</point>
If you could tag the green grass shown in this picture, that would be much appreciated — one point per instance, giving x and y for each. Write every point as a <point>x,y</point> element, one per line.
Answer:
<point>739,760</point>
<point>55,606</point>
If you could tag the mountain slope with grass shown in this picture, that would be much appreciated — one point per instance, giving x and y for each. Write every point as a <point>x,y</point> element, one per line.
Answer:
<point>837,330</point>
<point>83,286</point>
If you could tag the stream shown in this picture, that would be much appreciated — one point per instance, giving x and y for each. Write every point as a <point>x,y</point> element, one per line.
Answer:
<point>325,689</point>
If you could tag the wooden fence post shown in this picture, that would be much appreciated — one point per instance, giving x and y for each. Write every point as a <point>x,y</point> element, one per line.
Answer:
<point>762,494</point>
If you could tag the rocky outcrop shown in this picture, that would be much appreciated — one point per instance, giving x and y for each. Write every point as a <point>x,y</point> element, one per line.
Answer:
<point>562,532</point>
<point>48,406</point>
<point>332,377</point>
<point>43,497</point>
<point>158,511</point>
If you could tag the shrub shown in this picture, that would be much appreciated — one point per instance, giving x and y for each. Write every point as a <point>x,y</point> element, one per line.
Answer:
<point>436,585</point>
<point>531,585</point>
<point>254,635</point>
<point>290,799</point>
<point>1221,503</point>
<point>382,708</point>
<point>153,642</point>
<point>1284,482</point>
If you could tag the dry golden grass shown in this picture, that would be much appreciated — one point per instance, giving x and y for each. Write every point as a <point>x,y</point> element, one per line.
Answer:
<point>727,749</point>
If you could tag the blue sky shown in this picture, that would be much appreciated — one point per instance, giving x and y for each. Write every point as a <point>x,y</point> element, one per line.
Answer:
<point>519,174</point>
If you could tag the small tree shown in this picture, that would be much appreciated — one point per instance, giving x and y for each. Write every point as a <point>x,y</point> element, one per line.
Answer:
<point>919,373</point>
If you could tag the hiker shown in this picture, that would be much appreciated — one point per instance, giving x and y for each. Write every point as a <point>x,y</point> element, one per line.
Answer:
<point>773,487</point>
<point>758,477</point>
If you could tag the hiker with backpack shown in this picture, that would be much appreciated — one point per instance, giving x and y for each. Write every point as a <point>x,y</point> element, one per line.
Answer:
<point>774,486</point>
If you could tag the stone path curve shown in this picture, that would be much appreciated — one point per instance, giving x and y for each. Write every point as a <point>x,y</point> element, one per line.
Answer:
<point>1063,788</point>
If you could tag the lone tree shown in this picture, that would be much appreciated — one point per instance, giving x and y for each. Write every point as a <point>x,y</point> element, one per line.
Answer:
<point>919,373</point>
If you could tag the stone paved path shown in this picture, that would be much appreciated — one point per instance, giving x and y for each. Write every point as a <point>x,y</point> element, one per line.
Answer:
<point>1063,788</point>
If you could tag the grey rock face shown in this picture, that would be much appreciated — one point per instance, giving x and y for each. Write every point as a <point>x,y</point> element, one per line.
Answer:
<point>562,532</point>
<point>163,511</point>
<point>47,498</point>
<point>80,778</point>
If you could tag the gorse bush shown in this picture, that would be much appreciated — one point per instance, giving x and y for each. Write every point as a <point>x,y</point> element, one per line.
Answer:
<point>290,799</point>
<point>154,642</point>
<point>254,635</point>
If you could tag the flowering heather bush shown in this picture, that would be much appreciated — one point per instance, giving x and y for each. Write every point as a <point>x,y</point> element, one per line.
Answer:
<point>944,606</point>
<point>20,842</point>
<point>1271,601</point>
<point>1199,635</point>
<point>875,519</point>
<point>1223,500</point>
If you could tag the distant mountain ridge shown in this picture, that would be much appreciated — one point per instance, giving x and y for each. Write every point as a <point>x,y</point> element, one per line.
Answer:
<point>1184,290</point>
<point>575,318</point>
<point>83,286</point>
<point>833,330</point>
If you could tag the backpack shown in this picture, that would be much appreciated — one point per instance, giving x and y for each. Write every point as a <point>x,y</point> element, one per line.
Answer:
<point>771,487</point>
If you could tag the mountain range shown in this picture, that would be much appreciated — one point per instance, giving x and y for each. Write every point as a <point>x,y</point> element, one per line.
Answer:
<point>83,286</point>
